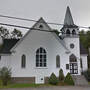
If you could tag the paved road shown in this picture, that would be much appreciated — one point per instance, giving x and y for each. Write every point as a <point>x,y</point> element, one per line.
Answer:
<point>53,88</point>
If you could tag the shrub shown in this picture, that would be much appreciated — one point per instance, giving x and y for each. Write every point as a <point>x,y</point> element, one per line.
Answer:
<point>53,79</point>
<point>87,74</point>
<point>5,75</point>
<point>68,79</point>
<point>61,75</point>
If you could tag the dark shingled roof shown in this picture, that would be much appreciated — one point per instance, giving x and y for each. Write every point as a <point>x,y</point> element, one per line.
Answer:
<point>7,45</point>
<point>82,49</point>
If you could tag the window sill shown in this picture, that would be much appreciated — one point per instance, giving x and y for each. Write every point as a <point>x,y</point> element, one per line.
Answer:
<point>41,68</point>
<point>58,68</point>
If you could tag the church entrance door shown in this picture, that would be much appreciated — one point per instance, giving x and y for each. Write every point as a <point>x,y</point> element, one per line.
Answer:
<point>73,64</point>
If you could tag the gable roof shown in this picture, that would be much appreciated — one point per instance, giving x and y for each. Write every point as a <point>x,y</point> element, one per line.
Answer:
<point>7,45</point>
<point>41,20</point>
<point>82,49</point>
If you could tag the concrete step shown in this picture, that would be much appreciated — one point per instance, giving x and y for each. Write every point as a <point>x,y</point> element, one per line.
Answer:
<point>80,80</point>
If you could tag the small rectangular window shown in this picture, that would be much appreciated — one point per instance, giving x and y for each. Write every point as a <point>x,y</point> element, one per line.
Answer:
<point>0,57</point>
<point>67,66</point>
<point>57,61</point>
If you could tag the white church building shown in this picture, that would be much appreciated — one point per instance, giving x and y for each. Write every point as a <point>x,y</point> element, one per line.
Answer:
<point>41,51</point>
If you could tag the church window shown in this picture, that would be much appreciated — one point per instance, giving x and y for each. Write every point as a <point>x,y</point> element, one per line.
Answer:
<point>68,32</point>
<point>58,61</point>
<point>73,32</point>
<point>81,63</point>
<point>23,61</point>
<point>41,57</point>
<point>40,26</point>
<point>67,66</point>
<point>73,58</point>
<point>72,45</point>
<point>0,57</point>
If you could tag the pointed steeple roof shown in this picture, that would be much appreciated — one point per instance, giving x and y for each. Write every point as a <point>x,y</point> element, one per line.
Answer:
<point>68,17</point>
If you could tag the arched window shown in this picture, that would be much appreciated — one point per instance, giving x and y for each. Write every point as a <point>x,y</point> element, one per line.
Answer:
<point>73,58</point>
<point>73,32</point>
<point>81,63</point>
<point>41,57</point>
<point>23,61</point>
<point>68,32</point>
<point>0,57</point>
<point>58,61</point>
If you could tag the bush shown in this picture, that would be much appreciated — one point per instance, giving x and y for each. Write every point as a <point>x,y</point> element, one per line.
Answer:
<point>68,79</point>
<point>53,79</point>
<point>5,75</point>
<point>87,74</point>
<point>61,75</point>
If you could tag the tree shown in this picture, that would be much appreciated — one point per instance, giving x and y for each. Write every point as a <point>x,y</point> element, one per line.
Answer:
<point>16,34</point>
<point>53,79</point>
<point>4,33</point>
<point>68,79</point>
<point>85,40</point>
<point>61,75</point>
<point>56,31</point>
<point>88,39</point>
<point>5,75</point>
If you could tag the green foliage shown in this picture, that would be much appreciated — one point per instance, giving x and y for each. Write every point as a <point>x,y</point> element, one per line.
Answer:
<point>87,74</point>
<point>85,40</point>
<point>53,79</point>
<point>56,31</point>
<point>5,75</point>
<point>23,85</point>
<point>16,34</point>
<point>61,75</point>
<point>68,79</point>
<point>4,33</point>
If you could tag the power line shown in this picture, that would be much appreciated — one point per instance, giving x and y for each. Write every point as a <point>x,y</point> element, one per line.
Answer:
<point>11,17</point>
<point>23,27</point>
<point>36,29</point>
<point>18,18</point>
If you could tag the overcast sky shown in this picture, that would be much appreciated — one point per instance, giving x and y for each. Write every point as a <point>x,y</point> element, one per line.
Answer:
<point>50,10</point>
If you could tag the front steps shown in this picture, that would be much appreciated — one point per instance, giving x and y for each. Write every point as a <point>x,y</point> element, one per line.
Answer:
<point>80,80</point>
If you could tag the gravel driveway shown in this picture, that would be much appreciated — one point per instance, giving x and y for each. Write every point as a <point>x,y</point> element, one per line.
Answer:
<point>53,88</point>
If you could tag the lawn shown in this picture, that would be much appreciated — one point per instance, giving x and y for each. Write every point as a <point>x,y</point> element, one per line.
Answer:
<point>89,83</point>
<point>26,85</point>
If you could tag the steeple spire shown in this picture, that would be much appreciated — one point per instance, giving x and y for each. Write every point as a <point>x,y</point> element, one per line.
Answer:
<point>68,17</point>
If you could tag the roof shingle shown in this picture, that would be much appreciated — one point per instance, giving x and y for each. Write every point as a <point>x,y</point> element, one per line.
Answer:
<point>7,45</point>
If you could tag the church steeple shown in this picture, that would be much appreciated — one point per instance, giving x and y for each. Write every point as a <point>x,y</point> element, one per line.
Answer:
<point>68,17</point>
<point>69,28</point>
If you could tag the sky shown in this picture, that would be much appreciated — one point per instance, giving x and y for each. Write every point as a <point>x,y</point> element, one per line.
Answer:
<point>50,10</point>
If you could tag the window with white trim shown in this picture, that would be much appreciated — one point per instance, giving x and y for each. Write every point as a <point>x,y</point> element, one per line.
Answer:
<point>41,57</point>
<point>57,61</point>
<point>23,61</point>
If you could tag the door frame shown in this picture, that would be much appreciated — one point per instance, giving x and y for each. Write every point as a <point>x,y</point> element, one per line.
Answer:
<point>73,68</point>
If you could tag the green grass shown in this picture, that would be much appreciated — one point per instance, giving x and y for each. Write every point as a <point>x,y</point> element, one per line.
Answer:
<point>89,83</point>
<point>23,85</point>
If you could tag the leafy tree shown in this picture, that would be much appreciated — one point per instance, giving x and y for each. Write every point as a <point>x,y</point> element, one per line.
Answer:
<point>4,33</point>
<point>16,34</point>
<point>85,40</point>
<point>88,39</point>
<point>56,31</point>
<point>68,79</point>
<point>53,79</point>
<point>61,75</point>
<point>5,75</point>
<point>87,74</point>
